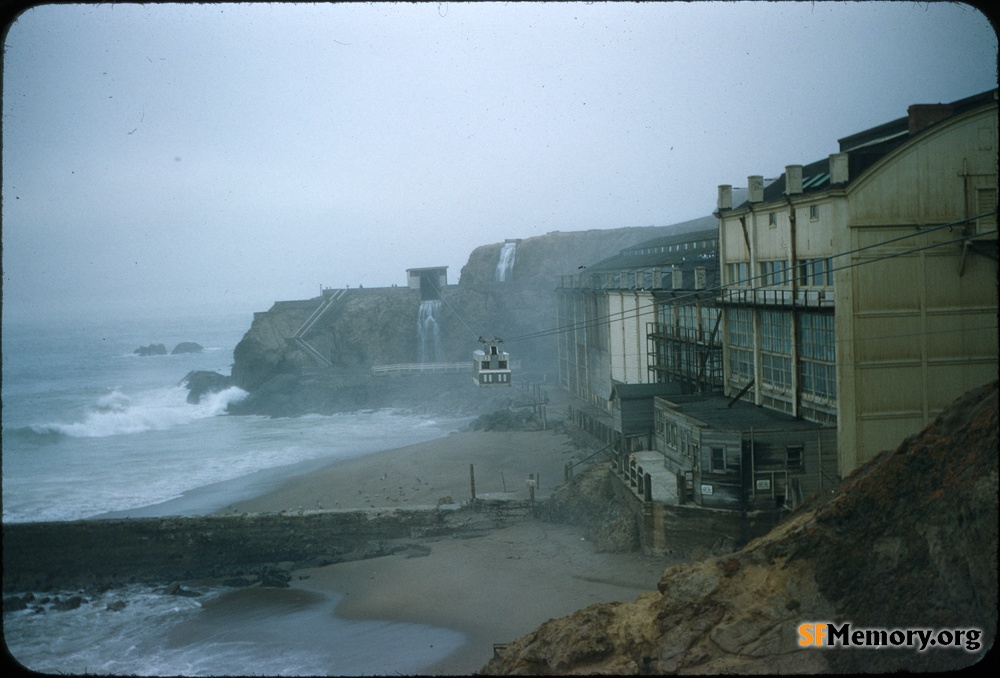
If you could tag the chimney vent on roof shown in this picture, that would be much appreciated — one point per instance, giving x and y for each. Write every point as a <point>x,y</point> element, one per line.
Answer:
<point>793,179</point>
<point>755,184</point>
<point>924,115</point>
<point>838,168</point>
<point>725,201</point>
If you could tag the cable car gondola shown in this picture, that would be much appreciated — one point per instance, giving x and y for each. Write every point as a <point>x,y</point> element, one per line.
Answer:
<point>490,365</point>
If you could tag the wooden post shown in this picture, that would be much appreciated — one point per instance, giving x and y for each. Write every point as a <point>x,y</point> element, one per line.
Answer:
<point>531,486</point>
<point>472,480</point>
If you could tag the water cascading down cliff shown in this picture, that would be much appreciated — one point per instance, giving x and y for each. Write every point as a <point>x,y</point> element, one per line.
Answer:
<point>506,263</point>
<point>429,332</point>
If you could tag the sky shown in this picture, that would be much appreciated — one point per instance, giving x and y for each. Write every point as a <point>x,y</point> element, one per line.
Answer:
<point>211,158</point>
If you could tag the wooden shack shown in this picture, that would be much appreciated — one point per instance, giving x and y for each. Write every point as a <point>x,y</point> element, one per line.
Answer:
<point>736,456</point>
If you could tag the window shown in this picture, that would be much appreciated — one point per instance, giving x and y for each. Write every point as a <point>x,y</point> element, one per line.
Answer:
<point>739,273</point>
<point>772,219</point>
<point>816,272</point>
<point>773,273</point>
<point>776,349</point>
<point>718,459</point>
<point>794,455</point>
<point>813,212</point>
<point>986,205</point>
<point>817,370</point>
<point>739,327</point>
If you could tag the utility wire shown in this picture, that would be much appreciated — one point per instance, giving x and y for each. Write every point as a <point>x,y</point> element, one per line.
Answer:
<point>455,311</point>
<point>628,314</point>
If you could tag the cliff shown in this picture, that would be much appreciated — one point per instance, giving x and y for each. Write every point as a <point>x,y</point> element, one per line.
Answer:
<point>908,541</point>
<point>366,327</point>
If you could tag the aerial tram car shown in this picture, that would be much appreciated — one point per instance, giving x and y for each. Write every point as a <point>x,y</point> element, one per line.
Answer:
<point>490,365</point>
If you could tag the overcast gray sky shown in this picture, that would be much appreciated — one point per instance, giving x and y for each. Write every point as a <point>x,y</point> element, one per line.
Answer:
<point>225,156</point>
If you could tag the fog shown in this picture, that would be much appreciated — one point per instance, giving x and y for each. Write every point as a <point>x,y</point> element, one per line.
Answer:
<point>210,158</point>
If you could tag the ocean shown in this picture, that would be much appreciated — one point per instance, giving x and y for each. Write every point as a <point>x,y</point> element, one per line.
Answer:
<point>90,429</point>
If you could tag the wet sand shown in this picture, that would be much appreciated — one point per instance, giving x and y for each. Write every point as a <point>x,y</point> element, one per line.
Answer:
<point>492,588</point>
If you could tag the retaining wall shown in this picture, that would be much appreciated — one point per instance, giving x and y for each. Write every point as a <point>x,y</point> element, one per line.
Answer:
<point>42,556</point>
<point>690,531</point>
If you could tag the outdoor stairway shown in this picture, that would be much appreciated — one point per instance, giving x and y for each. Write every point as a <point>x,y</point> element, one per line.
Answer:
<point>310,323</point>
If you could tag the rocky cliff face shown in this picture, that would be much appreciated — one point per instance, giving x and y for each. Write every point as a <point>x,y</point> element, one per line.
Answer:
<point>379,326</point>
<point>907,541</point>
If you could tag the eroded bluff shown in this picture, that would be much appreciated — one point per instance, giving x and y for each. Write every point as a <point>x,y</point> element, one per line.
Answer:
<point>907,541</point>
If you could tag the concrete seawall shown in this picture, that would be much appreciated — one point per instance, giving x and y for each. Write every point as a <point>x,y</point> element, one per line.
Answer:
<point>43,556</point>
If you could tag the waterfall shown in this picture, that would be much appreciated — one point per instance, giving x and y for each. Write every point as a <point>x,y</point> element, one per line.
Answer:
<point>506,263</point>
<point>429,332</point>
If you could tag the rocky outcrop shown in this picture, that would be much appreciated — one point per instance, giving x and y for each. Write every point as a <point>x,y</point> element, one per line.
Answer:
<point>589,500</point>
<point>187,347</point>
<point>201,382</point>
<point>907,541</point>
<point>367,327</point>
<point>152,349</point>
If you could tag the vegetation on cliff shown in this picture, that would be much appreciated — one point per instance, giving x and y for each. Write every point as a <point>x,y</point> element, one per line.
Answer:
<point>907,541</point>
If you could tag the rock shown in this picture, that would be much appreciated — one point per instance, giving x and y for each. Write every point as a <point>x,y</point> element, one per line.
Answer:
<point>275,577</point>
<point>116,606</point>
<point>200,382</point>
<point>187,347</point>
<point>908,540</point>
<point>152,349</point>
<point>176,589</point>
<point>14,604</point>
<point>70,603</point>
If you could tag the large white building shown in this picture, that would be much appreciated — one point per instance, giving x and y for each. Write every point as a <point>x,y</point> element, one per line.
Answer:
<point>861,289</point>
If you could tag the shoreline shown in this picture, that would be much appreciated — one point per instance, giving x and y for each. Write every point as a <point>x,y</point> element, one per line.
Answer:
<point>422,474</point>
<point>491,587</point>
<point>491,581</point>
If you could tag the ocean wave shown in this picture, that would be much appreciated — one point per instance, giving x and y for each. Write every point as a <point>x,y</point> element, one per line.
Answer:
<point>119,414</point>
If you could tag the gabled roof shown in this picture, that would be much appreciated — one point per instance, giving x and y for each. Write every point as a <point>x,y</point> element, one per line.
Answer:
<point>666,251</point>
<point>863,150</point>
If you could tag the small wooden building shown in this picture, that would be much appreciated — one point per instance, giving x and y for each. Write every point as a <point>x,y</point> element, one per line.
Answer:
<point>740,457</point>
<point>632,413</point>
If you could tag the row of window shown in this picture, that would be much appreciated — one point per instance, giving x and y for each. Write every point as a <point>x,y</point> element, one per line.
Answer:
<point>817,353</point>
<point>679,247</point>
<point>650,279</point>
<point>772,217</point>
<point>720,459</point>
<point>777,273</point>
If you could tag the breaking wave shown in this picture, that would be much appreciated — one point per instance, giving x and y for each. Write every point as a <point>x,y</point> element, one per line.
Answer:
<point>119,414</point>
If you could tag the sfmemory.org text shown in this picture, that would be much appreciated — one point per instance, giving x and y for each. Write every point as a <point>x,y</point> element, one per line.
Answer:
<point>828,634</point>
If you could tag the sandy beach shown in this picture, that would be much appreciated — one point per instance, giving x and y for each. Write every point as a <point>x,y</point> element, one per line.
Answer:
<point>492,588</point>
<point>425,473</point>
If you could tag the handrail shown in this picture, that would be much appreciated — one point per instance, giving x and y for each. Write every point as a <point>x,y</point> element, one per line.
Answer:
<point>573,466</point>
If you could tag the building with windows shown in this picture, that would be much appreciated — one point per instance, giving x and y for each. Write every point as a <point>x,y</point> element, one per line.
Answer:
<point>608,311</point>
<point>860,290</point>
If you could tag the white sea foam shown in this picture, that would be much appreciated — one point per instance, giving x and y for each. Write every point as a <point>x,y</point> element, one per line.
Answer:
<point>156,410</point>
